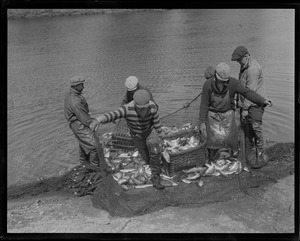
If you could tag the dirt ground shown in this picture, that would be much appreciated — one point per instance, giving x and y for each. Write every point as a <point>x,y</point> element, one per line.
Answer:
<point>265,210</point>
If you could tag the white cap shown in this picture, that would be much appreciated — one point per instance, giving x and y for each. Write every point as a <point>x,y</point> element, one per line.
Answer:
<point>222,71</point>
<point>131,83</point>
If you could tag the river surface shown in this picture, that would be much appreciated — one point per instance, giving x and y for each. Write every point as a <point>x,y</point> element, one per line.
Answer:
<point>167,50</point>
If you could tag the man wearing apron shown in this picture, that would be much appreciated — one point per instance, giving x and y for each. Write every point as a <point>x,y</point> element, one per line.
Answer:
<point>76,111</point>
<point>217,110</point>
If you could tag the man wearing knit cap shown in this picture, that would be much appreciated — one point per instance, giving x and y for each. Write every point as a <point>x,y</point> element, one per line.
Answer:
<point>141,116</point>
<point>76,111</point>
<point>251,77</point>
<point>217,115</point>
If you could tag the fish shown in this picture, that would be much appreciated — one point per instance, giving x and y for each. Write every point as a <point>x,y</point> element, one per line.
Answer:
<point>117,160</point>
<point>166,155</point>
<point>221,162</point>
<point>125,187</point>
<point>210,169</point>
<point>194,169</point>
<point>221,173</point>
<point>221,168</point>
<point>117,176</point>
<point>186,181</point>
<point>143,186</point>
<point>187,125</point>
<point>166,183</point>
<point>228,172</point>
<point>122,180</point>
<point>166,177</point>
<point>128,170</point>
<point>192,176</point>
<point>233,166</point>
<point>136,181</point>
<point>135,154</point>
<point>124,155</point>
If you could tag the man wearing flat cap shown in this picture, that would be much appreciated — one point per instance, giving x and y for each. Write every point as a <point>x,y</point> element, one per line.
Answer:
<point>217,110</point>
<point>76,111</point>
<point>141,116</point>
<point>251,77</point>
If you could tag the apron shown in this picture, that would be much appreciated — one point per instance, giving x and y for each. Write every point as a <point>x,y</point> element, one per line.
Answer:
<point>221,127</point>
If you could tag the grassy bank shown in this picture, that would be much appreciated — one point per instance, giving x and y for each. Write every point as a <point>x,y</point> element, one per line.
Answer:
<point>32,13</point>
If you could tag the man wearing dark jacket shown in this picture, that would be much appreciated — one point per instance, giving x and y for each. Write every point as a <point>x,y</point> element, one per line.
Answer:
<point>132,85</point>
<point>76,111</point>
<point>217,115</point>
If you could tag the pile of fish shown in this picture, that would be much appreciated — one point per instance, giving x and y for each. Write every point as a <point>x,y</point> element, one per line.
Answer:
<point>131,171</point>
<point>223,167</point>
<point>180,144</point>
<point>167,130</point>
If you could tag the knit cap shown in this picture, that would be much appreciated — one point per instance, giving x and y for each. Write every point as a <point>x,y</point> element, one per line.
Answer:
<point>209,72</point>
<point>222,71</point>
<point>141,98</point>
<point>76,79</point>
<point>239,52</point>
<point>131,83</point>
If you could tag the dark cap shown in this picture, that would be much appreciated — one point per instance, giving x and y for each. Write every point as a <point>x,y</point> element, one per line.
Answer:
<point>239,52</point>
<point>209,72</point>
<point>141,98</point>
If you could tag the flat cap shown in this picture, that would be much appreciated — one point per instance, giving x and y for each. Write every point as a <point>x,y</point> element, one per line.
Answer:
<point>76,79</point>
<point>239,52</point>
<point>222,71</point>
<point>141,98</point>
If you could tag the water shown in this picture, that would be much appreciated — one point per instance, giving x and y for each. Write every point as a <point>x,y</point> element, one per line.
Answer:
<point>167,50</point>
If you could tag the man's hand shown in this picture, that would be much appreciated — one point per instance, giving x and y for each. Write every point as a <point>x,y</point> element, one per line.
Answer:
<point>268,103</point>
<point>94,125</point>
<point>244,114</point>
<point>203,129</point>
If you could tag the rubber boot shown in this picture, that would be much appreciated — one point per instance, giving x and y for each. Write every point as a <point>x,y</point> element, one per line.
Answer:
<point>211,155</point>
<point>82,156</point>
<point>261,160</point>
<point>155,171</point>
<point>93,159</point>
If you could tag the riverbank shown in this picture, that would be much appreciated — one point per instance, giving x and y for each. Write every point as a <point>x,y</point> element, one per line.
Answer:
<point>34,13</point>
<point>265,210</point>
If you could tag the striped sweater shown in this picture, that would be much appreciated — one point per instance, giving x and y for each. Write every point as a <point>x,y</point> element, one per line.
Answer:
<point>135,123</point>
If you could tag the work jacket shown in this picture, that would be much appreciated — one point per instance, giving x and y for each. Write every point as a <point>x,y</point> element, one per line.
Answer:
<point>251,77</point>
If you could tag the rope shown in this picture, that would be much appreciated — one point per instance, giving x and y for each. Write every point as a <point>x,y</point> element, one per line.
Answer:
<point>186,105</point>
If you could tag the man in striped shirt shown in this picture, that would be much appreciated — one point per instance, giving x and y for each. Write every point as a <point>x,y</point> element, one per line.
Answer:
<point>141,116</point>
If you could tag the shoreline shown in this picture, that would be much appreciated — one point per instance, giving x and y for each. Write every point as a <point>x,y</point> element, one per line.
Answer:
<point>38,13</point>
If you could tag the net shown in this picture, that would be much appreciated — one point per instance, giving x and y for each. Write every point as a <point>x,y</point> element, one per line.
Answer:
<point>107,193</point>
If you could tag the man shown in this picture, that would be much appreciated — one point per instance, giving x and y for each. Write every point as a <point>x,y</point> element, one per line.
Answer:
<point>132,85</point>
<point>217,115</point>
<point>141,116</point>
<point>76,112</point>
<point>251,77</point>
